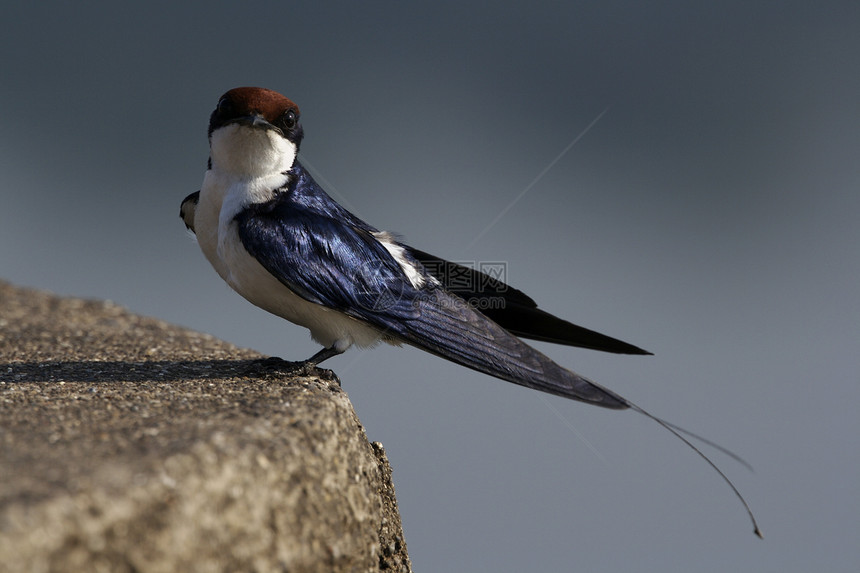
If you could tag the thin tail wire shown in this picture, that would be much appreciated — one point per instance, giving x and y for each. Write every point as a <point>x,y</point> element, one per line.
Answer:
<point>677,432</point>
<point>712,444</point>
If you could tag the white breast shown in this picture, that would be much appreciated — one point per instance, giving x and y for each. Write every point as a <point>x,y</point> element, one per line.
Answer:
<point>224,193</point>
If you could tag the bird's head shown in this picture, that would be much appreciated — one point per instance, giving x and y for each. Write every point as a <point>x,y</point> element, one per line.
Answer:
<point>254,132</point>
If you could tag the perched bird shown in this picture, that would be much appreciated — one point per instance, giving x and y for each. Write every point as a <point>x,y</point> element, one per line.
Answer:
<point>275,236</point>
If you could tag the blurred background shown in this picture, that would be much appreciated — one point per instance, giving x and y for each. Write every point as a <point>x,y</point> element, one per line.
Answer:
<point>708,211</point>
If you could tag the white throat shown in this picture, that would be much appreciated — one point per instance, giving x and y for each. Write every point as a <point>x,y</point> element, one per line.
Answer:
<point>248,165</point>
<point>249,153</point>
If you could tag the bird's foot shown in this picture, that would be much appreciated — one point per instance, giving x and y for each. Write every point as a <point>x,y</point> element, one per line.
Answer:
<point>274,366</point>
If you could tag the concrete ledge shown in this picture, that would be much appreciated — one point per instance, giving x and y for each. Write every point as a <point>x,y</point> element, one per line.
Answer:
<point>129,444</point>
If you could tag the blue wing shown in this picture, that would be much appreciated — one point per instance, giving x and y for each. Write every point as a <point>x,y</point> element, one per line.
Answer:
<point>304,239</point>
<point>326,262</point>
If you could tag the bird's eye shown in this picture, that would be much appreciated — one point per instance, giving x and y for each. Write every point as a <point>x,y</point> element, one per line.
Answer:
<point>290,119</point>
<point>224,106</point>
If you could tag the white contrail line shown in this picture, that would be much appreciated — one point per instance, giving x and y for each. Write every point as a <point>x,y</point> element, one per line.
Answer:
<point>571,427</point>
<point>331,189</point>
<point>538,178</point>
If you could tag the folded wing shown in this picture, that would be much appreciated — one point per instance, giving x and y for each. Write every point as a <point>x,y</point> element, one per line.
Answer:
<point>347,269</point>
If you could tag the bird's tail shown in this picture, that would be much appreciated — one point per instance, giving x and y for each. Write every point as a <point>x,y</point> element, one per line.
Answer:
<point>448,327</point>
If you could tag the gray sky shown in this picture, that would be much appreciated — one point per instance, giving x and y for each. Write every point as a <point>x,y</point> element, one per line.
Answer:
<point>710,215</point>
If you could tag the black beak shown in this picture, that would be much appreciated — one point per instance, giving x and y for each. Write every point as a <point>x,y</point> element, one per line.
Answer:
<point>256,121</point>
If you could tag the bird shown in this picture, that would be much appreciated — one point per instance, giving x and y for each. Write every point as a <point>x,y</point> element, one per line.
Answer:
<point>278,239</point>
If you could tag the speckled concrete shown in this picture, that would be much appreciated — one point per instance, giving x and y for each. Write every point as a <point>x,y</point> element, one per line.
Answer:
<point>129,444</point>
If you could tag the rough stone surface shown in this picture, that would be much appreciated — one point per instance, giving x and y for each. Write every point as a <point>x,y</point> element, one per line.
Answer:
<point>129,444</point>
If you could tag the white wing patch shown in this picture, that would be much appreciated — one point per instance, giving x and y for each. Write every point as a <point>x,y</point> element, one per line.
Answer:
<point>415,276</point>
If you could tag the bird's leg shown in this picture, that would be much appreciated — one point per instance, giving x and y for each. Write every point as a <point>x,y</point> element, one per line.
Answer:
<point>309,365</point>
<point>323,354</point>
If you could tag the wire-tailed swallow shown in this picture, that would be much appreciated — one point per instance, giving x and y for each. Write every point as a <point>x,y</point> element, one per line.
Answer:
<point>275,236</point>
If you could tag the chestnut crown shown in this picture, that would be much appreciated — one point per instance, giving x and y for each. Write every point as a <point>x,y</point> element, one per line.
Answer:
<point>258,107</point>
